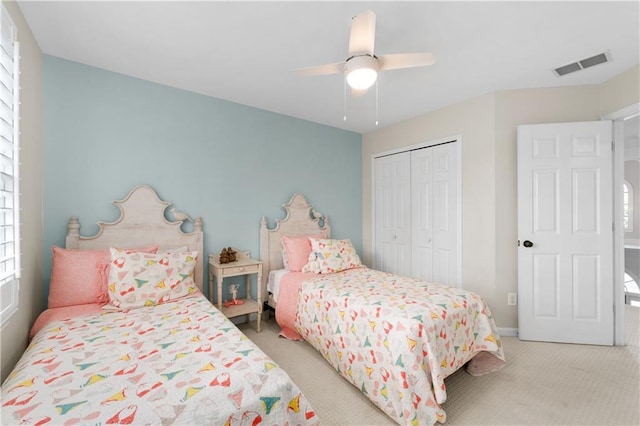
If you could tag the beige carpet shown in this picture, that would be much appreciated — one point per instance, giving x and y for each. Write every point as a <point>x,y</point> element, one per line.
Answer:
<point>542,383</point>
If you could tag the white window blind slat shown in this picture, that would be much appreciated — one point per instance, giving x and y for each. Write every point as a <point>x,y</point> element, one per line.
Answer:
<point>6,144</point>
<point>6,95</point>
<point>6,132</point>
<point>6,61</point>
<point>6,113</point>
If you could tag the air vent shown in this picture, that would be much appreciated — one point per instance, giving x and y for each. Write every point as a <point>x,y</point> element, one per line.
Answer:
<point>583,63</point>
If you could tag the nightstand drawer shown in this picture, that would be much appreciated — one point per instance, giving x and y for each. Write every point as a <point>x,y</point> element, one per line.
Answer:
<point>240,270</point>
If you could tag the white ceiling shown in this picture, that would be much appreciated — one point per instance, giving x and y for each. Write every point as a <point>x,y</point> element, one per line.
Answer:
<point>243,51</point>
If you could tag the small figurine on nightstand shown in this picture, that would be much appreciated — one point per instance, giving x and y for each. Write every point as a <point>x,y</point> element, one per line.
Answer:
<point>233,288</point>
<point>227,255</point>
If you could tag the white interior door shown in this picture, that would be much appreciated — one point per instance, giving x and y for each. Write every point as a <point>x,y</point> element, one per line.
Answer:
<point>565,253</point>
<point>392,213</point>
<point>434,198</point>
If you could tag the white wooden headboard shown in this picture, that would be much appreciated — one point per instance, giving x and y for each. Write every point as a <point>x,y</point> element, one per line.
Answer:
<point>142,222</point>
<point>301,219</point>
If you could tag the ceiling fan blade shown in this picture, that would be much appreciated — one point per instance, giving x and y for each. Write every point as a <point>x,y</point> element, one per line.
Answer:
<point>335,68</point>
<point>363,34</point>
<point>405,60</point>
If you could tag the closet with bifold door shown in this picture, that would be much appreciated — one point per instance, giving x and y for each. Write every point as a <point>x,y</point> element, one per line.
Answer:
<point>417,212</point>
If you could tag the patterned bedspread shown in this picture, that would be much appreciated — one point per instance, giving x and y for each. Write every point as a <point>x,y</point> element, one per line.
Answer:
<point>181,362</point>
<point>394,338</point>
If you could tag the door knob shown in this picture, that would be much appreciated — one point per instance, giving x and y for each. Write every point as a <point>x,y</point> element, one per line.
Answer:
<point>527,243</point>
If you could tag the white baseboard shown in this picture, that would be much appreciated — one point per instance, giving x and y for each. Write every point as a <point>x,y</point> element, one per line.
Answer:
<point>508,332</point>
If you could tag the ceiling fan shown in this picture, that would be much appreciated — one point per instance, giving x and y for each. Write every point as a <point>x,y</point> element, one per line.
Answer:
<point>362,66</point>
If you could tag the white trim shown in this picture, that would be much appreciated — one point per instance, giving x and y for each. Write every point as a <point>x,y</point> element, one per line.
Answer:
<point>457,139</point>
<point>460,206</point>
<point>16,157</point>
<point>624,113</point>
<point>416,146</point>
<point>11,282</point>
<point>507,332</point>
<point>618,117</point>
<point>13,287</point>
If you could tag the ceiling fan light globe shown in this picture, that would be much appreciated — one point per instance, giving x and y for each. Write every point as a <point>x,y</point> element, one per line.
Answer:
<point>362,72</point>
<point>362,79</point>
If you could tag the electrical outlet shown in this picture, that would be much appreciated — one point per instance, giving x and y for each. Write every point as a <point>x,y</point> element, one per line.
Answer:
<point>512,299</point>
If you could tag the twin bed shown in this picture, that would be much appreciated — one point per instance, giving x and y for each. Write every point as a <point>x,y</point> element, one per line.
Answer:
<point>164,355</point>
<point>130,338</point>
<point>394,338</point>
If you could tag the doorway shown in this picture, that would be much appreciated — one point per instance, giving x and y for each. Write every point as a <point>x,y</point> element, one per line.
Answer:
<point>625,127</point>
<point>631,211</point>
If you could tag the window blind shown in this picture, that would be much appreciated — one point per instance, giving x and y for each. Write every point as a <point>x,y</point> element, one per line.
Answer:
<point>9,177</point>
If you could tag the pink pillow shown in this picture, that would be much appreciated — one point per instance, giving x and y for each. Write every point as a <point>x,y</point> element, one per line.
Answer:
<point>297,249</point>
<point>79,277</point>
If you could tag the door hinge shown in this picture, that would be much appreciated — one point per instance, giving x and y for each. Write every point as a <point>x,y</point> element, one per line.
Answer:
<point>613,145</point>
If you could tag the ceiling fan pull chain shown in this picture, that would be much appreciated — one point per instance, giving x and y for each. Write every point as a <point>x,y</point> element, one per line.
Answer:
<point>344,106</point>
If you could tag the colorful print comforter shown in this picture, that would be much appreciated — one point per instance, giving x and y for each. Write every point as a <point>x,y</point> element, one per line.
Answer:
<point>180,362</point>
<point>394,338</point>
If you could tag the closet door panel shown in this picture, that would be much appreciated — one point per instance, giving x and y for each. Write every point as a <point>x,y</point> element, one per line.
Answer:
<point>393,214</point>
<point>421,217</point>
<point>445,202</point>
<point>402,214</point>
<point>383,212</point>
<point>441,261</point>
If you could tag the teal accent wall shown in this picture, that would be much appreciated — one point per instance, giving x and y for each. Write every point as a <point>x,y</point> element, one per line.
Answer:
<point>231,164</point>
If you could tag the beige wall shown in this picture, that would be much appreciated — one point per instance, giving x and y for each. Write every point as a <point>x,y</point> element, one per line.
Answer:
<point>15,332</point>
<point>620,92</point>
<point>488,126</point>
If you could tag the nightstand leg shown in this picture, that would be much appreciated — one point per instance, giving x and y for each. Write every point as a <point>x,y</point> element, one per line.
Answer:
<point>211,285</point>
<point>219,288</point>
<point>259,296</point>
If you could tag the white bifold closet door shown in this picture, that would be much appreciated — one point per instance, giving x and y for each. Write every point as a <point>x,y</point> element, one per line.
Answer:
<point>416,214</point>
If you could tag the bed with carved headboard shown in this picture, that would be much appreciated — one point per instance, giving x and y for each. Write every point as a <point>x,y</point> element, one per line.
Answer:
<point>129,337</point>
<point>395,338</point>
<point>301,219</point>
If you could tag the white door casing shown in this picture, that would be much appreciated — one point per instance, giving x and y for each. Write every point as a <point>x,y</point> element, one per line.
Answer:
<point>565,253</point>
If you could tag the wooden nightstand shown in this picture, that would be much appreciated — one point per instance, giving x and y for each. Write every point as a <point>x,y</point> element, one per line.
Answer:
<point>244,265</point>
